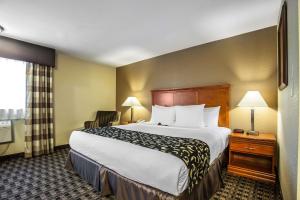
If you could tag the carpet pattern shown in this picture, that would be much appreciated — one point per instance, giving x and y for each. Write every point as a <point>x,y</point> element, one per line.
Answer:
<point>44,177</point>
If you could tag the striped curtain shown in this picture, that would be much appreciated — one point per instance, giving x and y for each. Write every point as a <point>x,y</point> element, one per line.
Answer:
<point>39,132</point>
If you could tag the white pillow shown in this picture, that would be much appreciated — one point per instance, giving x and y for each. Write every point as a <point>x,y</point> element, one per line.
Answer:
<point>211,116</point>
<point>190,116</point>
<point>163,115</point>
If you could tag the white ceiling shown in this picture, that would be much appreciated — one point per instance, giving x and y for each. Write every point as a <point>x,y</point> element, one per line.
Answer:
<point>126,31</point>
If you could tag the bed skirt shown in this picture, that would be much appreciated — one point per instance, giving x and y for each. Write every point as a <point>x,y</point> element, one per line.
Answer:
<point>108,182</point>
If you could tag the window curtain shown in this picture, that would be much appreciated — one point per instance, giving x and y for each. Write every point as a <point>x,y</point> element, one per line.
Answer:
<point>39,132</point>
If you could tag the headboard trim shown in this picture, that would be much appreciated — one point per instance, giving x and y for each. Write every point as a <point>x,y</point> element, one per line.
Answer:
<point>212,95</point>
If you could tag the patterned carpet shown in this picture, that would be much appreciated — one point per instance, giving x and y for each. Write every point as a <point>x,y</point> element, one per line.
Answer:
<point>44,177</point>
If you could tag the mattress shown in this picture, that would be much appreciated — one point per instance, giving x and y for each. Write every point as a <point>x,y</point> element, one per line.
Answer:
<point>150,167</point>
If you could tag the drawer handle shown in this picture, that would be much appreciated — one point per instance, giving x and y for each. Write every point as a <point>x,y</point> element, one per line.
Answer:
<point>249,148</point>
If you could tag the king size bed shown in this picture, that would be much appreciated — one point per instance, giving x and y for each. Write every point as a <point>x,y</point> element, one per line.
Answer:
<point>154,160</point>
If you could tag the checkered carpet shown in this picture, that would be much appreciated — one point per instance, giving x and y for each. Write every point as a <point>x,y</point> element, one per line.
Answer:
<point>44,177</point>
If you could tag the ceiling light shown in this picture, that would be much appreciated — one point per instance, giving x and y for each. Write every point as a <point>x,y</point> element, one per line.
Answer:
<point>125,56</point>
<point>1,29</point>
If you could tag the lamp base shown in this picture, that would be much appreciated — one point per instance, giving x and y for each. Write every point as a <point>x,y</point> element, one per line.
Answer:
<point>256,133</point>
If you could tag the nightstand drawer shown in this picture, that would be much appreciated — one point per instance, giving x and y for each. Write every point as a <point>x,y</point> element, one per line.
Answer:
<point>262,149</point>
<point>253,156</point>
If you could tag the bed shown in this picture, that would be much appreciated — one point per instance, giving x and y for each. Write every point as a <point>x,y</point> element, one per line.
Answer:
<point>130,171</point>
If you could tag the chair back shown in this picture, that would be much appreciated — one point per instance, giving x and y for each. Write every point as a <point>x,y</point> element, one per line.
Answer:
<point>104,117</point>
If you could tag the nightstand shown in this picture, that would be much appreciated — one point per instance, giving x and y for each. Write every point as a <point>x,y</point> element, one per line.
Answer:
<point>253,156</point>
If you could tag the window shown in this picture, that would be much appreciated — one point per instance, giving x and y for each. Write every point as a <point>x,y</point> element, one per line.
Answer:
<point>12,89</point>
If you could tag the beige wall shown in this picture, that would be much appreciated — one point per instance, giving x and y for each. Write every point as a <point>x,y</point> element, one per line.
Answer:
<point>18,145</point>
<point>247,62</point>
<point>298,171</point>
<point>80,89</point>
<point>288,111</point>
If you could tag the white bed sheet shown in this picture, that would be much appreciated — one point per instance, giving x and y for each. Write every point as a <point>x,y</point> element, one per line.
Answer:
<point>150,167</point>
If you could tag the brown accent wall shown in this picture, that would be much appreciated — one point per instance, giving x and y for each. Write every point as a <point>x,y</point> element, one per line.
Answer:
<point>247,62</point>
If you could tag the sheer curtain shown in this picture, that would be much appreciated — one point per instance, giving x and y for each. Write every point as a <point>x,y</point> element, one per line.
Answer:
<point>12,89</point>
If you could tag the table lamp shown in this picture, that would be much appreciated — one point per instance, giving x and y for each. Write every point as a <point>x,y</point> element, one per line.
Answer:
<point>252,99</point>
<point>131,102</point>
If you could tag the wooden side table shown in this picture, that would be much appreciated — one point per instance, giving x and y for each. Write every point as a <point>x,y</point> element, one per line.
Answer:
<point>253,156</point>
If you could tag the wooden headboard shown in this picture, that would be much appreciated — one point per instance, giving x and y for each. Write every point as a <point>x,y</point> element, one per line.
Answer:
<point>214,95</point>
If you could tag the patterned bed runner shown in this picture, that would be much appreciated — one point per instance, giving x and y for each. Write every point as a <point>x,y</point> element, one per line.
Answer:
<point>194,153</point>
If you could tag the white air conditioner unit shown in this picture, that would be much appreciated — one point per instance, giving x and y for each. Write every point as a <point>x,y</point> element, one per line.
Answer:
<point>6,131</point>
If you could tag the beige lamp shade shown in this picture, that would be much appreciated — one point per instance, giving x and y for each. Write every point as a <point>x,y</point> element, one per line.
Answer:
<point>131,102</point>
<point>253,99</point>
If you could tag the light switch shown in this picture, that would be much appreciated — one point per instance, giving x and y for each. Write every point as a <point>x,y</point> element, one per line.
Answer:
<point>292,82</point>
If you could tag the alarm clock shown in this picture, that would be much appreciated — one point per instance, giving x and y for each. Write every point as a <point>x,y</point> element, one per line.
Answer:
<point>238,130</point>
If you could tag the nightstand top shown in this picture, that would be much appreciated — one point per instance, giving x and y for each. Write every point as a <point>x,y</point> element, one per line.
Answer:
<point>261,136</point>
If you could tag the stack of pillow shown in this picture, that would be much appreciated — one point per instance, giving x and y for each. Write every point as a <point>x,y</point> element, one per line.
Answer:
<point>191,116</point>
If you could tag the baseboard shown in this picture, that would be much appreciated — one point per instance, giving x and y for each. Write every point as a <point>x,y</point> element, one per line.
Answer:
<point>18,155</point>
<point>64,146</point>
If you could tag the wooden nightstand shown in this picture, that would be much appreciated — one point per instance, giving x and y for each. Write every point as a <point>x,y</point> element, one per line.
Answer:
<point>253,156</point>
